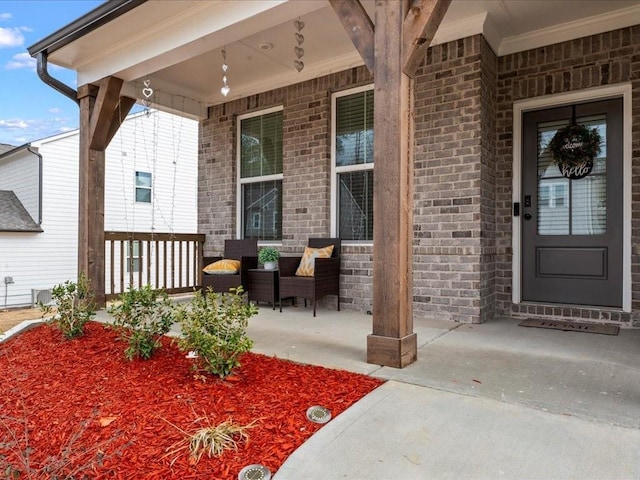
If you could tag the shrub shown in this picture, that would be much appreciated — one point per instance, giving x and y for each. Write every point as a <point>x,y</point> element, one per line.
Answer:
<point>142,316</point>
<point>214,327</point>
<point>73,308</point>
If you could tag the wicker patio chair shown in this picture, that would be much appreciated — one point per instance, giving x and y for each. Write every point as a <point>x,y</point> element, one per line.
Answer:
<point>246,251</point>
<point>325,280</point>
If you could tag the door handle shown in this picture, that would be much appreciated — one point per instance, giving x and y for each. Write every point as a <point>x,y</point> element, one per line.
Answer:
<point>527,216</point>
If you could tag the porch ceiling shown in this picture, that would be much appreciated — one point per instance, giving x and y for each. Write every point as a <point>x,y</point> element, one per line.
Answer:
<point>177,44</point>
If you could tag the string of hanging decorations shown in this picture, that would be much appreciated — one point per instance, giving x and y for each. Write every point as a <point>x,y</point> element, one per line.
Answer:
<point>298,50</point>
<point>225,87</point>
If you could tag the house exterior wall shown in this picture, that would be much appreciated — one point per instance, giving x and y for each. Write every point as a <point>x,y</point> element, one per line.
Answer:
<point>42,260</point>
<point>464,97</point>
<point>20,173</point>
<point>604,59</point>
<point>306,175</point>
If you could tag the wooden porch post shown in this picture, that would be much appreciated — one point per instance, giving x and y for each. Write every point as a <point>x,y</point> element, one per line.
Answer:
<point>393,342</point>
<point>101,112</point>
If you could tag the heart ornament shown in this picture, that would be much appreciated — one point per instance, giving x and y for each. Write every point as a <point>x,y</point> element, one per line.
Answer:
<point>299,38</point>
<point>299,65</point>
<point>147,92</point>
<point>298,24</point>
<point>299,52</point>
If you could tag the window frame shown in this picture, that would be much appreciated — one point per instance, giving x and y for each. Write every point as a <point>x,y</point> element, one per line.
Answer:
<point>335,170</point>
<point>132,256</point>
<point>257,179</point>
<point>142,187</point>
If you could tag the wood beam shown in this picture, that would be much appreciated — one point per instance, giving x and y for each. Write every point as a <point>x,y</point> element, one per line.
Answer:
<point>122,110</point>
<point>104,110</point>
<point>420,26</point>
<point>393,342</point>
<point>358,26</point>
<point>101,113</point>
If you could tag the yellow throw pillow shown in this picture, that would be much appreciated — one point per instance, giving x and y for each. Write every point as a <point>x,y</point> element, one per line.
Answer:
<point>308,262</point>
<point>223,267</point>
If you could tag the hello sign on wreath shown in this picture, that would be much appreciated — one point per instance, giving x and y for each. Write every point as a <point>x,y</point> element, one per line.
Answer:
<point>574,149</point>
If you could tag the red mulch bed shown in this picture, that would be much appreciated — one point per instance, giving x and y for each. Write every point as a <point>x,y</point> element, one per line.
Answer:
<point>112,415</point>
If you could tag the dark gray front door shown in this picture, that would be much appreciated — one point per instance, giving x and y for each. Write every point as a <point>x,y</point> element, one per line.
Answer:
<point>572,229</point>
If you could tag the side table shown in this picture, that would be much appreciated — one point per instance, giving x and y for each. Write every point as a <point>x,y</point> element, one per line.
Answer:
<point>263,285</point>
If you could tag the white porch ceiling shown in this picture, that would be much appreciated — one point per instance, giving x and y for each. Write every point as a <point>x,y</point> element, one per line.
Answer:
<point>177,44</point>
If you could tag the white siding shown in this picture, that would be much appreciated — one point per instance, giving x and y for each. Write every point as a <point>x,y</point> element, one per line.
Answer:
<point>19,173</point>
<point>42,260</point>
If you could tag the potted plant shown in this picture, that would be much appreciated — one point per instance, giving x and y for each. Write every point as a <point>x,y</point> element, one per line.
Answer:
<point>268,256</point>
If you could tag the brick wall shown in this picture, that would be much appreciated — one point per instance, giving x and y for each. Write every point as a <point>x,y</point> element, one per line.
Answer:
<point>306,171</point>
<point>454,217</point>
<point>464,99</point>
<point>603,59</point>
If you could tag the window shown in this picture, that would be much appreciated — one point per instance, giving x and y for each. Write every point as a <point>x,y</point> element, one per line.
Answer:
<point>260,175</point>
<point>143,187</point>
<point>352,164</point>
<point>133,256</point>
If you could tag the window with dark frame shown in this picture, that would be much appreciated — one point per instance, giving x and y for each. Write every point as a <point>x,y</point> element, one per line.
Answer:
<point>260,166</point>
<point>353,163</point>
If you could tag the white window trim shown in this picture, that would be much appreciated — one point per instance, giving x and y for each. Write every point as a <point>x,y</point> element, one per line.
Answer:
<point>349,168</point>
<point>136,187</point>
<point>242,181</point>
<point>593,94</point>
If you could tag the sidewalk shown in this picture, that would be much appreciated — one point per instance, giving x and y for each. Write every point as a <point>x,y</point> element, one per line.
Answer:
<point>483,401</point>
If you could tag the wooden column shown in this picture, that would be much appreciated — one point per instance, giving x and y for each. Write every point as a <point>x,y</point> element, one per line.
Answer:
<point>101,112</point>
<point>393,342</point>
<point>91,200</point>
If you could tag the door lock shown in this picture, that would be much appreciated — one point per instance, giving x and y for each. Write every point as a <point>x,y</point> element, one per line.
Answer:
<point>527,216</point>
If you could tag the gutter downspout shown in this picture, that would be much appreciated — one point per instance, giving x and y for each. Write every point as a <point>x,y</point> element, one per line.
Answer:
<point>54,83</point>
<point>40,165</point>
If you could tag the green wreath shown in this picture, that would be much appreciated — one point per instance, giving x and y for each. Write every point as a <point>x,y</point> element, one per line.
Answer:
<point>575,144</point>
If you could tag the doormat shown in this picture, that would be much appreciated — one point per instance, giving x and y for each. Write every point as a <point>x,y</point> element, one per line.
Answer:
<point>603,329</point>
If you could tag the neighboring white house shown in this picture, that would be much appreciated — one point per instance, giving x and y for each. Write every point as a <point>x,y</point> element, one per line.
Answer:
<point>150,186</point>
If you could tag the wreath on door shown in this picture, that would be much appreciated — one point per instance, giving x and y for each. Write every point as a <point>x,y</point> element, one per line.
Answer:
<point>574,148</point>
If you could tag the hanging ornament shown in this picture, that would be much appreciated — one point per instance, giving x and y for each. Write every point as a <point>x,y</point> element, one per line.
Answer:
<point>298,50</point>
<point>225,88</point>
<point>147,91</point>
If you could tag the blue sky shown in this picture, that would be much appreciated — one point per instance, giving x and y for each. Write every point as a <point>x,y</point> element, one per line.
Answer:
<point>29,109</point>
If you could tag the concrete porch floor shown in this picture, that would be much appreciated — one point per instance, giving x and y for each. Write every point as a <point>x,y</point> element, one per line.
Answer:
<point>482,402</point>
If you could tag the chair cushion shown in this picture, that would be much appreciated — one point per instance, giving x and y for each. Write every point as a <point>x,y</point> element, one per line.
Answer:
<point>308,262</point>
<point>223,267</point>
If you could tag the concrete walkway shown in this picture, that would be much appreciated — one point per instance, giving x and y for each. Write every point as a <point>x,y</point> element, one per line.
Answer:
<point>486,401</point>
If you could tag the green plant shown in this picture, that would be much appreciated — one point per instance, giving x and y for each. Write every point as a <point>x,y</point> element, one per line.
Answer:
<point>73,308</point>
<point>268,254</point>
<point>142,316</point>
<point>214,327</point>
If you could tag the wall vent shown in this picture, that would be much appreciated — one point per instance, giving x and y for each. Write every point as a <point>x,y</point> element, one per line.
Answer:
<point>43,296</point>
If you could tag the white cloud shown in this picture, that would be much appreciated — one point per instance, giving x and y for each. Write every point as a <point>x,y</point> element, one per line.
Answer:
<point>11,37</point>
<point>5,16</point>
<point>13,124</point>
<point>16,130</point>
<point>54,110</point>
<point>21,60</point>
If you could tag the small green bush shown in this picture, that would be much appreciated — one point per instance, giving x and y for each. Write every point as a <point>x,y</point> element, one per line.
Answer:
<point>142,316</point>
<point>214,327</point>
<point>74,306</point>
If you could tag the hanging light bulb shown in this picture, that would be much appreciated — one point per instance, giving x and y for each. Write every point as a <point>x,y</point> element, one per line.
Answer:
<point>225,88</point>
